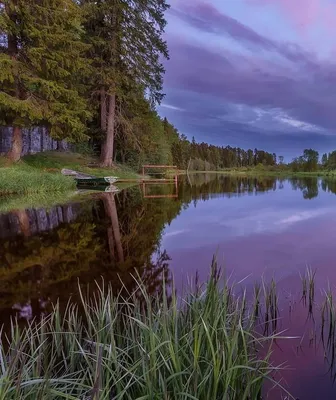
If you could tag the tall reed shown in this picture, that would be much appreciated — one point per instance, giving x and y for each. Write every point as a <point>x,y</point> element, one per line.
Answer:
<point>139,346</point>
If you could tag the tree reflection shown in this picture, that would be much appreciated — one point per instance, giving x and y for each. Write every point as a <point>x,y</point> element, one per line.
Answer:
<point>114,236</point>
<point>328,185</point>
<point>113,231</point>
<point>308,186</point>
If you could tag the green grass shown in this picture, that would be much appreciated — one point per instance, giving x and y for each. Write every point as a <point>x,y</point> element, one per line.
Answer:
<point>56,161</point>
<point>21,179</point>
<point>140,346</point>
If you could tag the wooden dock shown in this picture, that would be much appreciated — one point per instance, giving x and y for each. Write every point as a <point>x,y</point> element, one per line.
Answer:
<point>145,180</point>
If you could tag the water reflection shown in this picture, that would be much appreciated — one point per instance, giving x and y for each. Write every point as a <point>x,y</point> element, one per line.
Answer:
<point>43,252</point>
<point>256,226</point>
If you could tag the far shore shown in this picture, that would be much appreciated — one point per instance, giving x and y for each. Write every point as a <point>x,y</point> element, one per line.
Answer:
<point>265,172</point>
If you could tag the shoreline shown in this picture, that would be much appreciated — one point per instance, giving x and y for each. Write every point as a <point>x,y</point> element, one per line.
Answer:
<point>254,173</point>
<point>41,173</point>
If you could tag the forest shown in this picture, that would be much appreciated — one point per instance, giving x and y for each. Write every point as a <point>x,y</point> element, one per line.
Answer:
<point>92,73</point>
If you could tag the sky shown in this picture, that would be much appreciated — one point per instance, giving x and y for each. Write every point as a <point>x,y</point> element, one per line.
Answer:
<point>253,73</point>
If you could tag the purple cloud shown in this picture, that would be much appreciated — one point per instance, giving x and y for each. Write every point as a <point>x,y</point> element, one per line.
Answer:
<point>273,87</point>
<point>207,18</point>
<point>304,13</point>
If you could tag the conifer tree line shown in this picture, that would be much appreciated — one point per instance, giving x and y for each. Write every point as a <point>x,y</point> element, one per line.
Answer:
<point>328,160</point>
<point>91,71</point>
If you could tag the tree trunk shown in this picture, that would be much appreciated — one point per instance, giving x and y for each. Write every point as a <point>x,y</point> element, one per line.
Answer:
<point>16,149</point>
<point>106,156</point>
<point>23,222</point>
<point>110,239</point>
<point>15,153</point>
<point>116,228</point>
<point>112,214</point>
<point>123,158</point>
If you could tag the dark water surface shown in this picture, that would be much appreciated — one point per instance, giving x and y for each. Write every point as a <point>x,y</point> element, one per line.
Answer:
<point>257,227</point>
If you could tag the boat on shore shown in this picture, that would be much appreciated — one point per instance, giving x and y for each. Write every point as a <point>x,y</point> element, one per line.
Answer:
<point>89,180</point>
<point>106,181</point>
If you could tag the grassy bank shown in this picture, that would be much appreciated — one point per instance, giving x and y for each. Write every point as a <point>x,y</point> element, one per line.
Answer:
<point>22,179</point>
<point>140,347</point>
<point>41,173</point>
<point>55,161</point>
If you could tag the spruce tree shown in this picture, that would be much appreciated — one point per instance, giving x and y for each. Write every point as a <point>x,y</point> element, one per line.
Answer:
<point>127,45</point>
<point>41,68</point>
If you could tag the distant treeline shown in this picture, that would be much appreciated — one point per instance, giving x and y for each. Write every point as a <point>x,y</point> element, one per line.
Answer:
<point>203,157</point>
<point>309,161</point>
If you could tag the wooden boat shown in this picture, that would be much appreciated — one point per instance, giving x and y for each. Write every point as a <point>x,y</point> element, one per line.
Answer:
<point>89,180</point>
<point>106,181</point>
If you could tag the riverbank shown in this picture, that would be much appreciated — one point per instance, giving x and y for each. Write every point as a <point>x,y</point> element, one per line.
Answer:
<point>145,346</point>
<point>41,173</point>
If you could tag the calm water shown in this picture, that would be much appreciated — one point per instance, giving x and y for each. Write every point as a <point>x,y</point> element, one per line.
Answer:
<point>256,227</point>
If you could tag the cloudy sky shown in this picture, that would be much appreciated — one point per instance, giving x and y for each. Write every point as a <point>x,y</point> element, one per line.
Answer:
<point>253,73</point>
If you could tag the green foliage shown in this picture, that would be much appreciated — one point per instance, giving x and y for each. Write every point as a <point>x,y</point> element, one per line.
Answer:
<point>329,161</point>
<point>126,45</point>
<point>142,138</point>
<point>42,67</point>
<point>308,162</point>
<point>85,148</point>
<point>310,157</point>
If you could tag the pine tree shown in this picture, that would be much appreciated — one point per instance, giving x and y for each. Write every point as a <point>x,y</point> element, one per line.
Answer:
<point>41,67</point>
<point>127,44</point>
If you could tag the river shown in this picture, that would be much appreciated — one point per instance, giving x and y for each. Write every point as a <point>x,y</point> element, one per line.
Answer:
<point>257,228</point>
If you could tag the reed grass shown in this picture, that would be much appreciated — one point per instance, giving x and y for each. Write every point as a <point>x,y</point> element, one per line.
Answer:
<point>271,306</point>
<point>308,288</point>
<point>140,346</point>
